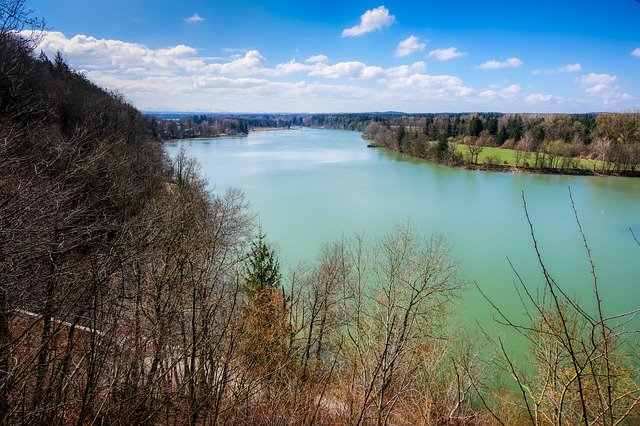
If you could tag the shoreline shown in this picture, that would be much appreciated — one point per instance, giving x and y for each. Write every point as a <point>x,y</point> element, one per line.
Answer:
<point>270,129</point>
<point>502,168</point>
<point>240,135</point>
<point>544,171</point>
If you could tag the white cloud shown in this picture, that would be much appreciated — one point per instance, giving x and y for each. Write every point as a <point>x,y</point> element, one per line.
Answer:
<point>598,88</point>
<point>350,69</point>
<point>446,54</point>
<point>181,77</point>
<point>407,70</point>
<point>507,93</point>
<point>636,52</point>
<point>570,68</point>
<point>372,72</point>
<point>408,46</point>
<point>193,19</point>
<point>603,86</point>
<point>538,98</point>
<point>92,53</point>
<point>371,20</point>
<point>507,63</point>
<point>292,67</point>
<point>347,69</point>
<point>593,78</point>
<point>251,62</point>
<point>434,86</point>
<point>511,90</point>
<point>316,58</point>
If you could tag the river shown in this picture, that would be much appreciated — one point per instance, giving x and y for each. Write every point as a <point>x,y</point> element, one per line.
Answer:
<point>312,186</point>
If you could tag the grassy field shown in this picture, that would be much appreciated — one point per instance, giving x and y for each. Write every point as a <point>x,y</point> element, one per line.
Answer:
<point>508,157</point>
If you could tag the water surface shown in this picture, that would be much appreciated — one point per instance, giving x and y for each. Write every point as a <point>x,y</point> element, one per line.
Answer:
<point>312,186</point>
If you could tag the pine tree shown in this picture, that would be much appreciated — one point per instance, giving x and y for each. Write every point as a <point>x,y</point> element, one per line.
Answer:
<point>502,136</point>
<point>266,327</point>
<point>263,268</point>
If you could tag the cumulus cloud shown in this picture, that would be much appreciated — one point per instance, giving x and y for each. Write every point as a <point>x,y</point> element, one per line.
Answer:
<point>604,87</point>
<point>181,77</point>
<point>408,46</point>
<point>92,53</point>
<point>251,62</point>
<point>507,63</point>
<point>346,69</point>
<point>349,69</point>
<point>636,52</point>
<point>407,70</point>
<point>434,86</point>
<point>371,20</point>
<point>569,68</point>
<point>446,54</point>
<point>316,58</point>
<point>494,93</point>
<point>193,19</point>
<point>593,78</point>
<point>539,98</point>
<point>598,88</point>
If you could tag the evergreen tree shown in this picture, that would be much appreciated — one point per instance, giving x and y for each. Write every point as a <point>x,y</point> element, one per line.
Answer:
<point>400,137</point>
<point>441,148</point>
<point>492,125</point>
<point>59,63</point>
<point>266,325</point>
<point>502,136</point>
<point>516,128</point>
<point>263,268</point>
<point>475,126</point>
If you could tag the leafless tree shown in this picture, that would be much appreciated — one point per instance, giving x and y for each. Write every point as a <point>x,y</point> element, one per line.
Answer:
<point>583,370</point>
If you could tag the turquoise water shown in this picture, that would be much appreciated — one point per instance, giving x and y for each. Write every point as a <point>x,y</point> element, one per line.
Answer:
<point>312,186</point>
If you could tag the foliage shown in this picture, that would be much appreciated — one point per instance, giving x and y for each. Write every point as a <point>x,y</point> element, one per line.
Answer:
<point>263,268</point>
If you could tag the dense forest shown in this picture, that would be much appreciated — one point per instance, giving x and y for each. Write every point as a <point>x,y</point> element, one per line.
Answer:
<point>169,126</point>
<point>131,295</point>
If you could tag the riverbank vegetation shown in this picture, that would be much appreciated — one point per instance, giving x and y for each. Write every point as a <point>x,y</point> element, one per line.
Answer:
<point>603,143</point>
<point>131,295</point>
<point>545,143</point>
<point>169,126</point>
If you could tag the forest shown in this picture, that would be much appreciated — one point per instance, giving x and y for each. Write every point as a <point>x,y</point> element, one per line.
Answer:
<point>129,294</point>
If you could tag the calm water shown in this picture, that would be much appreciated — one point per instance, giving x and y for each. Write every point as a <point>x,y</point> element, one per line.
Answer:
<point>312,186</point>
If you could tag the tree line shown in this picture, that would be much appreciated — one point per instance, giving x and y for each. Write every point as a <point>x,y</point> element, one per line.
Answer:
<point>169,126</point>
<point>542,141</point>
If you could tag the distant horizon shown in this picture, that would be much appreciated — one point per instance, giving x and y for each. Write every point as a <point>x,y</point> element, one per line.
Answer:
<point>284,55</point>
<point>376,112</point>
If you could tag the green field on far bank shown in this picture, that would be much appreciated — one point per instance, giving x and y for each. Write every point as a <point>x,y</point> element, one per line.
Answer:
<point>509,157</point>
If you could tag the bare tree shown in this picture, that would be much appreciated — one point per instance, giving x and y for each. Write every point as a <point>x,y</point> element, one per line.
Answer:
<point>583,370</point>
<point>475,148</point>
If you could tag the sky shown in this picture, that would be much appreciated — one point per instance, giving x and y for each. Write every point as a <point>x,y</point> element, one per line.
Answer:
<point>353,56</point>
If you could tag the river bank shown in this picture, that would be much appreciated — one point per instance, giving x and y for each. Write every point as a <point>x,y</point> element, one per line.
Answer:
<point>492,164</point>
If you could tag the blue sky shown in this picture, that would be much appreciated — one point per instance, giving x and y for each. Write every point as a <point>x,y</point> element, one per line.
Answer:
<point>339,56</point>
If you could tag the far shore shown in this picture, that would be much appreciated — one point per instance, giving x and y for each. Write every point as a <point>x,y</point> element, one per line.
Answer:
<point>507,168</point>
<point>271,129</point>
